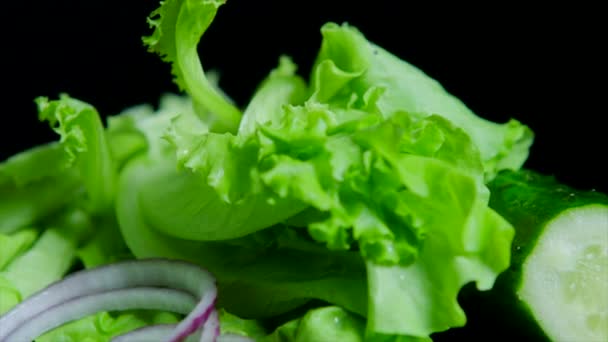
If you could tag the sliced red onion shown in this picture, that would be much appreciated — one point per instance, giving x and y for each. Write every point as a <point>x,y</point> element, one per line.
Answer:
<point>197,318</point>
<point>125,299</point>
<point>123,275</point>
<point>211,328</point>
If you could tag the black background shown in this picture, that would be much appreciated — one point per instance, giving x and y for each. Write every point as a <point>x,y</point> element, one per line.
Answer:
<point>538,65</point>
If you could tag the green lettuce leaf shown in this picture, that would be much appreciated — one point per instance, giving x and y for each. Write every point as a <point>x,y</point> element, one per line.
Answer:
<point>139,130</point>
<point>47,261</point>
<point>105,247</point>
<point>424,294</point>
<point>218,167</point>
<point>350,69</point>
<point>376,159</point>
<point>12,245</point>
<point>408,194</point>
<point>280,88</point>
<point>330,323</point>
<point>322,324</point>
<point>26,167</point>
<point>35,184</point>
<point>197,211</point>
<point>178,26</point>
<point>83,138</point>
<point>255,282</point>
<point>231,324</point>
<point>364,191</point>
<point>102,327</point>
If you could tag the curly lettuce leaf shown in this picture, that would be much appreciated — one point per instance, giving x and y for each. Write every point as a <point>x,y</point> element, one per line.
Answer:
<point>224,159</point>
<point>365,192</point>
<point>395,186</point>
<point>139,130</point>
<point>84,140</point>
<point>283,86</point>
<point>349,68</point>
<point>470,244</point>
<point>255,282</point>
<point>215,168</point>
<point>196,211</point>
<point>408,193</point>
<point>178,27</point>
<point>43,180</point>
<point>346,164</point>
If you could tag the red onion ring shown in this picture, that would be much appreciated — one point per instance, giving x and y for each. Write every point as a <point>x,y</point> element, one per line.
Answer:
<point>117,286</point>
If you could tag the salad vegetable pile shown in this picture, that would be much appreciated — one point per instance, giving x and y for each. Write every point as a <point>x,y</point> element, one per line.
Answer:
<point>351,205</point>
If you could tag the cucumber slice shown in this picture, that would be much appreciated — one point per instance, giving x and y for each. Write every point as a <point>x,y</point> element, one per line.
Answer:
<point>565,277</point>
<point>558,278</point>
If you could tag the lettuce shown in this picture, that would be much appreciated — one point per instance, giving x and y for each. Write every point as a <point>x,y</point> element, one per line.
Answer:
<point>103,326</point>
<point>362,188</point>
<point>12,245</point>
<point>178,26</point>
<point>321,324</point>
<point>344,164</point>
<point>349,69</point>
<point>47,260</point>
<point>257,280</point>
<point>83,139</point>
<point>34,185</point>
